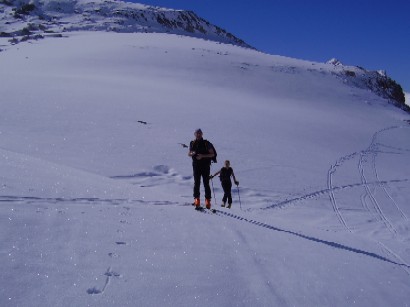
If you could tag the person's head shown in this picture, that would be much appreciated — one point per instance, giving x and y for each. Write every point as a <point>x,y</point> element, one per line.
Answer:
<point>227,163</point>
<point>198,134</point>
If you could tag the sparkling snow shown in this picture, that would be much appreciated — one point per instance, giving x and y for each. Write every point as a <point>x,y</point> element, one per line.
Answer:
<point>96,188</point>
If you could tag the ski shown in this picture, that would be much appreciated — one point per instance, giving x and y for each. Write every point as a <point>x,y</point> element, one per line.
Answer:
<point>202,209</point>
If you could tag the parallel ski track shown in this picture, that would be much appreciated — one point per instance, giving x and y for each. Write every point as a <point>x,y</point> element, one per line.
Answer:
<point>371,154</point>
<point>384,187</point>
<point>370,194</point>
<point>331,189</point>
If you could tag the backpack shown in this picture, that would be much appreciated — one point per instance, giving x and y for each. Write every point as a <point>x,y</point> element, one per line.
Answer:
<point>208,146</point>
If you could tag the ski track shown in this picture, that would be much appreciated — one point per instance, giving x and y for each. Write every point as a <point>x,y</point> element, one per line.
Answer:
<point>161,174</point>
<point>369,178</point>
<point>370,194</point>
<point>367,168</point>
<point>371,153</point>
<point>390,256</point>
<point>331,190</point>
<point>404,265</point>
<point>383,186</point>
<point>399,261</point>
<point>93,201</point>
<point>370,186</point>
<point>319,193</point>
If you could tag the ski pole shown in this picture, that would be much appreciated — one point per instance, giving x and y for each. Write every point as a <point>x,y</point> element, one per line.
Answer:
<point>239,196</point>
<point>212,182</point>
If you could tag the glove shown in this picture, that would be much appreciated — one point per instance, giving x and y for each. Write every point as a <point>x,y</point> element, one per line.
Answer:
<point>237,182</point>
<point>210,177</point>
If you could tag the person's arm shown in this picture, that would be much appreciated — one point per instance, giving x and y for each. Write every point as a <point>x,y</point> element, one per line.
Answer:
<point>214,175</point>
<point>191,151</point>
<point>209,155</point>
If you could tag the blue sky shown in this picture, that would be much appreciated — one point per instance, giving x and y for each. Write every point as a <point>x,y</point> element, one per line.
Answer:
<point>373,34</point>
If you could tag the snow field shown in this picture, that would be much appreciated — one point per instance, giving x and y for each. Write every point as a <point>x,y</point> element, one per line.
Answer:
<point>96,189</point>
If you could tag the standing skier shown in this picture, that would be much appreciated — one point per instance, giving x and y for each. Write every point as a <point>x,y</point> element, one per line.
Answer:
<point>201,152</point>
<point>225,176</point>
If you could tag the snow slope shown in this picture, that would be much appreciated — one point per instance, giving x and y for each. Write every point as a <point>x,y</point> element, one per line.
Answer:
<point>96,188</point>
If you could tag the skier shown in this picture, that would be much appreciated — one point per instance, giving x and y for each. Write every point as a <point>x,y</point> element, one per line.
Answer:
<point>201,152</point>
<point>225,176</point>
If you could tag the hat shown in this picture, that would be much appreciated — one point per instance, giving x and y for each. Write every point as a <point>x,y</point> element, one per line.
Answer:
<point>198,130</point>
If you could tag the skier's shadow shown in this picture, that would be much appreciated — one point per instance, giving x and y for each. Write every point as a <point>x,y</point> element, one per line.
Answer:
<point>317,240</point>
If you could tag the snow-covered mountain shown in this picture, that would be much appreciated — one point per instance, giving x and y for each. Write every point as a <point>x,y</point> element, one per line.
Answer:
<point>38,18</point>
<point>23,20</point>
<point>95,187</point>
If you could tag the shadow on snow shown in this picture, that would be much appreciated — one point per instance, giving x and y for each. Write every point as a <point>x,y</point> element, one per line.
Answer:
<point>310,238</point>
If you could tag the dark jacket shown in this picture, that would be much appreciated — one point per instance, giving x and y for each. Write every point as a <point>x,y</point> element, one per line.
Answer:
<point>200,147</point>
<point>225,174</point>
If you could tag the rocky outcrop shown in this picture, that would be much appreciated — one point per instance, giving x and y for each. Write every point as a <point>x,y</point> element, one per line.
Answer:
<point>376,81</point>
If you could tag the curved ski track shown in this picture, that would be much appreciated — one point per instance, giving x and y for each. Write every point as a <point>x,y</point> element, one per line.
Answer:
<point>367,157</point>
<point>366,166</point>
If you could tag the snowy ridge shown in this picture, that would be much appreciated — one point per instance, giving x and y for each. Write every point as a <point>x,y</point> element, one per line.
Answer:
<point>42,17</point>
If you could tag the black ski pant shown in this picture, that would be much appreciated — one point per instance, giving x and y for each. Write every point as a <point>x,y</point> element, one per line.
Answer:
<point>227,187</point>
<point>202,170</point>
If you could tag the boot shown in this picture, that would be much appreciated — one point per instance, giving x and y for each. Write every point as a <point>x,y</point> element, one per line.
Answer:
<point>223,205</point>
<point>208,203</point>
<point>229,206</point>
<point>197,202</point>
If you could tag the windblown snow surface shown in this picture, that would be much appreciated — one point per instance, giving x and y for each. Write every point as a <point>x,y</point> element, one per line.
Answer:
<point>96,189</point>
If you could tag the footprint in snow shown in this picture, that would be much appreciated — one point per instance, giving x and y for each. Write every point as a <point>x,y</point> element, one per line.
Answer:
<point>109,274</point>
